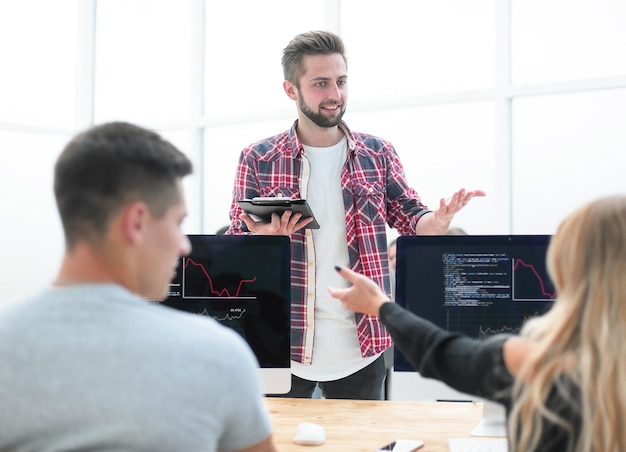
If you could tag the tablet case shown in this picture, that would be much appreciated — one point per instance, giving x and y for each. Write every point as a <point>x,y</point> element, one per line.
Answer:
<point>264,207</point>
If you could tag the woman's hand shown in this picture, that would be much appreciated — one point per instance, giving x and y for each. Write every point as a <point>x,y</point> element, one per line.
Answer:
<point>363,296</point>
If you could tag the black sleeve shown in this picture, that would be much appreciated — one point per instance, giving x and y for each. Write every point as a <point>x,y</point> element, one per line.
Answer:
<point>468,365</point>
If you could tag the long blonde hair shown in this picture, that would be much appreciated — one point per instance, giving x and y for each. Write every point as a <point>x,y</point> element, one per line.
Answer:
<point>581,338</point>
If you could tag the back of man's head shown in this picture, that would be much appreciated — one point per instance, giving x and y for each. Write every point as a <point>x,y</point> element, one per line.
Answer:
<point>108,166</point>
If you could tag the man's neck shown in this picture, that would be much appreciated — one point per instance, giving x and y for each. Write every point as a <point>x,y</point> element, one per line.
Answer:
<point>81,265</point>
<point>313,135</point>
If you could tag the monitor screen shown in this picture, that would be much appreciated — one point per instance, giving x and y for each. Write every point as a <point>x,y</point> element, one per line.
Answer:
<point>244,282</point>
<point>475,285</point>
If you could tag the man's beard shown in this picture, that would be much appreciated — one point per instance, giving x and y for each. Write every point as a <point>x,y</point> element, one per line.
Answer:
<point>318,118</point>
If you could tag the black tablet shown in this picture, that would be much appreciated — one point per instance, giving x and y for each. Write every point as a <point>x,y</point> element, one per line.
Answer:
<point>262,208</point>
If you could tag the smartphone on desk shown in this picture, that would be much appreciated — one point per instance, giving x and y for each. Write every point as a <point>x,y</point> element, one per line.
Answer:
<point>402,445</point>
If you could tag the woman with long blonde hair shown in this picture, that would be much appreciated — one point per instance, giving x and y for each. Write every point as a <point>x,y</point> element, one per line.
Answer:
<point>563,379</point>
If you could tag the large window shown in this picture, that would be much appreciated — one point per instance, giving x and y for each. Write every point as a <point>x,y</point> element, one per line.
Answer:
<point>567,149</point>
<point>144,61</point>
<point>563,40</point>
<point>522,98</point>
<point>38,41</point>
<point>401,49</point>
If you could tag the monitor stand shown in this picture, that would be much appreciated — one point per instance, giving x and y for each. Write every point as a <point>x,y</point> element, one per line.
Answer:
<point>493,421</point>
<point>275,380</point>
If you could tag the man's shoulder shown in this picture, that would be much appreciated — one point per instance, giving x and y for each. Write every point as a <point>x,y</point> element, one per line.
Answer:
<point>270,147</point>
<point>369,144</point>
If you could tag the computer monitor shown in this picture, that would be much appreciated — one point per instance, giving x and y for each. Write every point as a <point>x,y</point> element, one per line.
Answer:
<point>244,282</point>
<point>474,285</point>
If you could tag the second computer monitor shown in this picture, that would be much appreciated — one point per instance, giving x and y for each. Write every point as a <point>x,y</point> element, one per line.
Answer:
<point>474,285</point>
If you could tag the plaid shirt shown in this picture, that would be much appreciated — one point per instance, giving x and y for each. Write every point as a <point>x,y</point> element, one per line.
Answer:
<point>375,192</point>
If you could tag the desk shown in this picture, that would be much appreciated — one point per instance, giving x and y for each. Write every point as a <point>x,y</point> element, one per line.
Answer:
<point>363,425</point>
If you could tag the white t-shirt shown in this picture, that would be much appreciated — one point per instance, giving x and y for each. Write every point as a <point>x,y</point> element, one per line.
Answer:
<point>336,350</point>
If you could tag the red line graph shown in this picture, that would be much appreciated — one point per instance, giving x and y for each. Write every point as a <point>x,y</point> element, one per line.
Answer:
<point>534,270</point>
<point>219,293</point>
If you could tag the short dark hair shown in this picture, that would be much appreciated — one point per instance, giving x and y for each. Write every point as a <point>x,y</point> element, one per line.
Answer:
<point>108,166</point>
<point>309,43</point>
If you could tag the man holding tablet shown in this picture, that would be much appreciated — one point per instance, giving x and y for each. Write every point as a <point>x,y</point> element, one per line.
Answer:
<point>356,186</point>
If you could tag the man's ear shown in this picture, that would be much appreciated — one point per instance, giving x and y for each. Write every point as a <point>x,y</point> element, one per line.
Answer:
<point>134,217</point>
<point>290,89</point>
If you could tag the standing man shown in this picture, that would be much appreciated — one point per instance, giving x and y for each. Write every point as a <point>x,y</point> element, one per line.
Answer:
<point>355,185</point>
<point>89,363</point>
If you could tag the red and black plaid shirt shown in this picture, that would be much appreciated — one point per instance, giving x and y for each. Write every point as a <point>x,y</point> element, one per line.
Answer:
<point>375,193</point>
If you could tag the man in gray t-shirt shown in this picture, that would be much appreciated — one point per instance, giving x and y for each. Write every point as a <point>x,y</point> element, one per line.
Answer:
<point>89,364</point>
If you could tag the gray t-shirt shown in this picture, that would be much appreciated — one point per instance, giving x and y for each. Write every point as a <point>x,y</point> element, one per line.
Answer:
<point>92,367</point>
